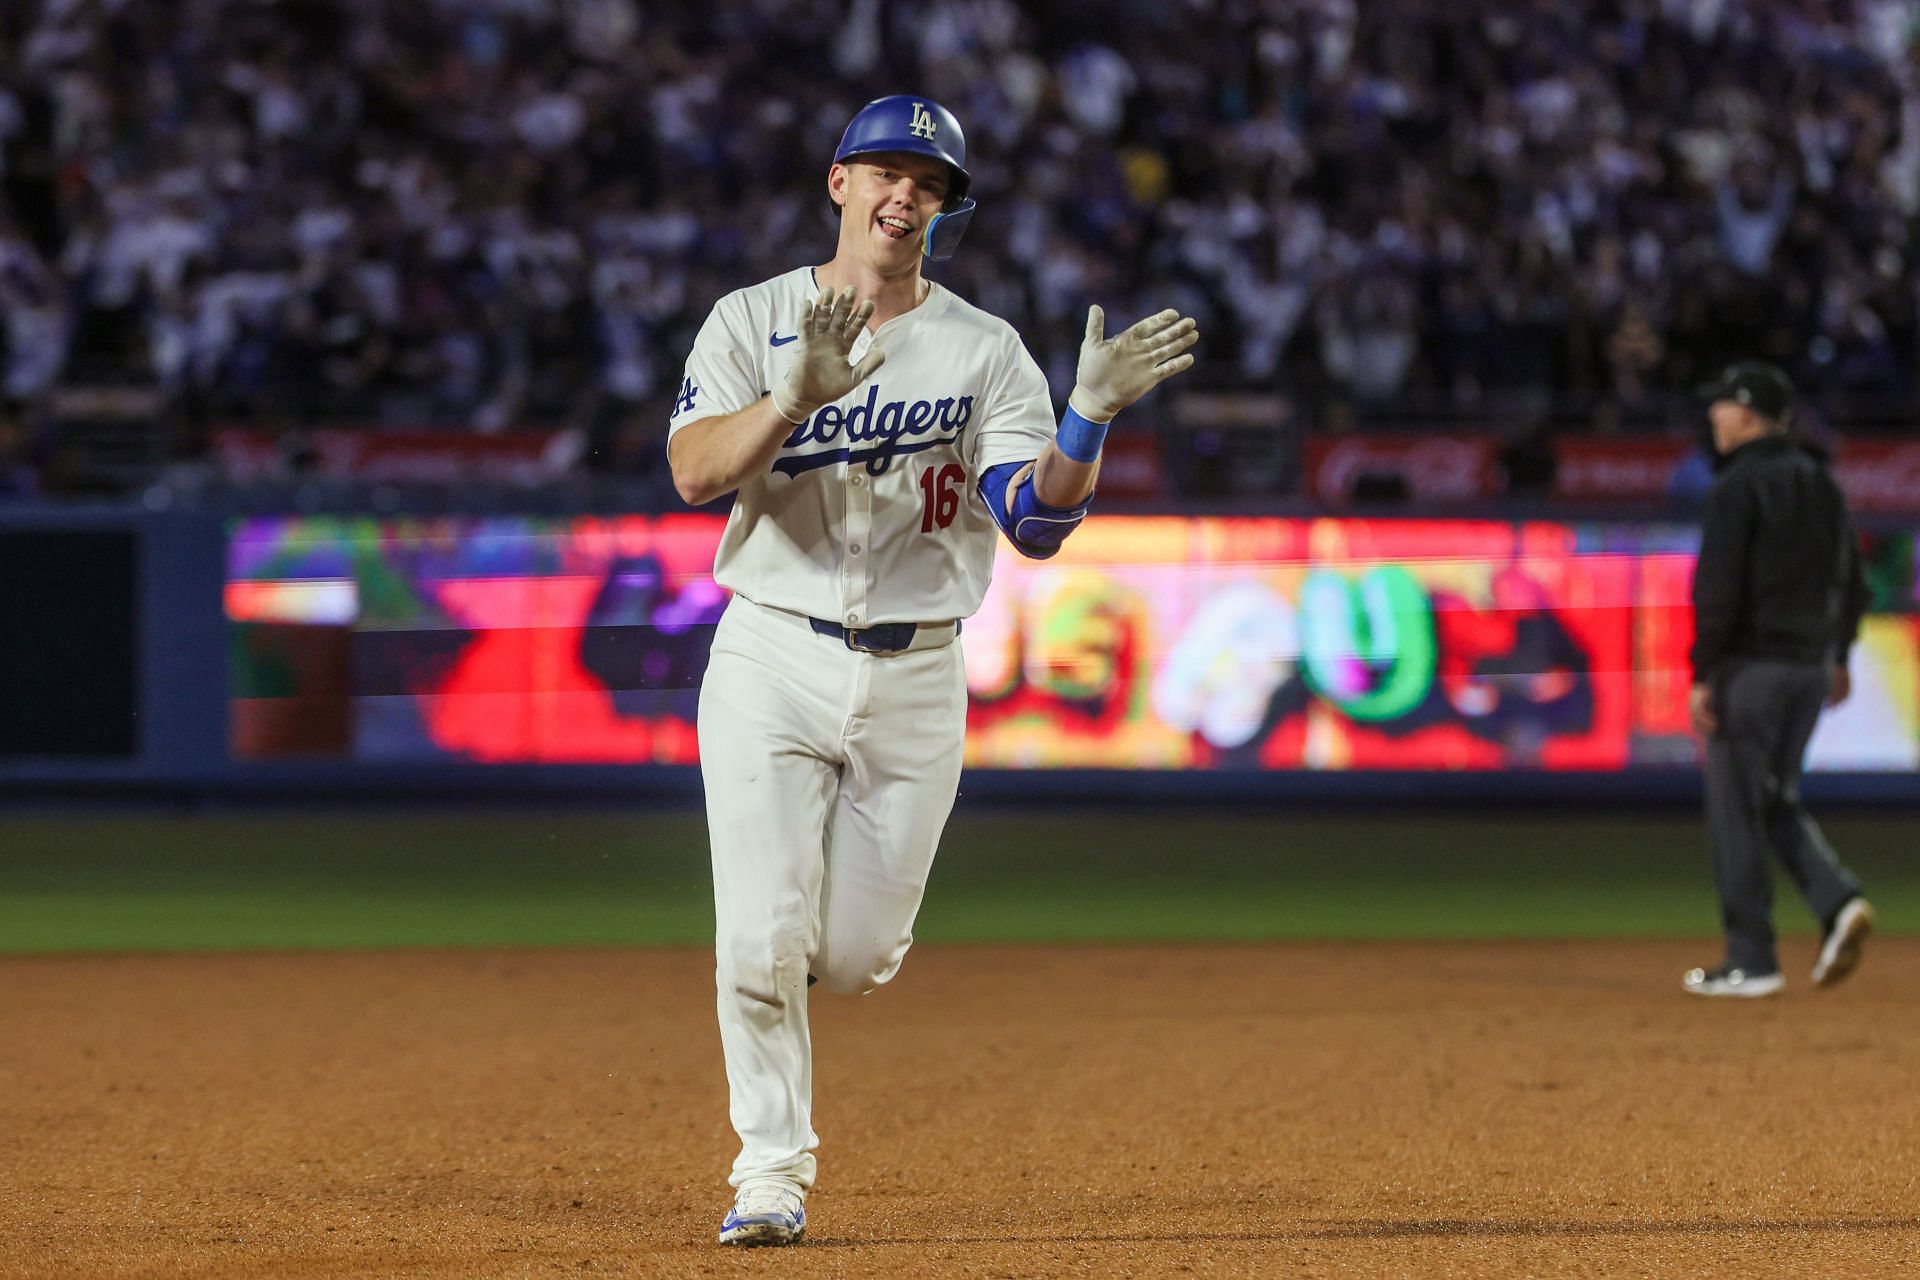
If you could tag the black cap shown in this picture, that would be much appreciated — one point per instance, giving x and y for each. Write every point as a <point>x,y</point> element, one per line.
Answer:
<point>1761,387</point>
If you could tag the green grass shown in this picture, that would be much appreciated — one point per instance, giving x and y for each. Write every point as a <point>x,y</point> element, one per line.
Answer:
<point>292,880</point>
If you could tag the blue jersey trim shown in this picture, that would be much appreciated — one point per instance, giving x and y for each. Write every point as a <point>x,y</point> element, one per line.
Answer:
<point>798,464</point>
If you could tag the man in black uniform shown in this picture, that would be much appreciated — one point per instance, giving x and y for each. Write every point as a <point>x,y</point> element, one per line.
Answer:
<point>1777,597</point>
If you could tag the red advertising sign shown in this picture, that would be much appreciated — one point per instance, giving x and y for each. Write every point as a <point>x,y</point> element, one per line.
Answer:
<point>1130,465</point>
<point>1880,475</point>
<point>1616,470</point>
<point>1877,475</point>
<point>396,457</point>
<point>1425,468</point>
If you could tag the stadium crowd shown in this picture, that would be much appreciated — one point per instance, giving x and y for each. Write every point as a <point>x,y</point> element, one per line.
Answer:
<point>500,213</point>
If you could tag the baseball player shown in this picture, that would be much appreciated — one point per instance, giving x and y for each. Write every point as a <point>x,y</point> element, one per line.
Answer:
<point>880,434</point>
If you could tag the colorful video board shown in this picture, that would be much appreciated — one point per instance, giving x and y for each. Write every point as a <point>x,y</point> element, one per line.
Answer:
<point>1169,642</point>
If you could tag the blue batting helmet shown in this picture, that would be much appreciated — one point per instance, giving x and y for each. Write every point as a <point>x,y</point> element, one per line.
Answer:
<point>923,127</point>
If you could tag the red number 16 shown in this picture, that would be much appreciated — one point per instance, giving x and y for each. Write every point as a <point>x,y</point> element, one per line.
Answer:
<point>942,496</point>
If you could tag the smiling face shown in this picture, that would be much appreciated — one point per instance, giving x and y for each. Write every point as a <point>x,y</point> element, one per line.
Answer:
<point>887,199</point>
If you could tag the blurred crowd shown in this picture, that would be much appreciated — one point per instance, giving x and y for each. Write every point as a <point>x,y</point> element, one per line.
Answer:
<point>496,214</point>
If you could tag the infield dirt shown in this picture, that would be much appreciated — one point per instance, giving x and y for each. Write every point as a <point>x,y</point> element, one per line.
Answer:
<point>1356,1109</point>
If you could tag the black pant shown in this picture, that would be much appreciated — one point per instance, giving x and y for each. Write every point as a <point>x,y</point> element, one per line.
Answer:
<point>1766,712</point>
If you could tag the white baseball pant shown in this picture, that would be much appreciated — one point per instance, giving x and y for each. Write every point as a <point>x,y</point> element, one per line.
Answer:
<point>829,775</point>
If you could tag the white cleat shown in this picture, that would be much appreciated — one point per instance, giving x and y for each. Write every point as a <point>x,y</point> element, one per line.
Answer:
<point>1737,983</point>
<point>1840,950</point>
<point>765,1213</point>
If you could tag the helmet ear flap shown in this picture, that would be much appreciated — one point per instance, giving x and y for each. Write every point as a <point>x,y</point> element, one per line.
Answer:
<point>943,233</point>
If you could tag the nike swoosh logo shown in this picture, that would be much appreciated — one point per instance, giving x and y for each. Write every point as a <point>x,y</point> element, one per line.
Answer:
<point>779,341</point>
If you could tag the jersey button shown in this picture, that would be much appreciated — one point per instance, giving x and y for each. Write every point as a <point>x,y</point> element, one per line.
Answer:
<point>854,549</point>
<point>857,481</point>
<point>853,619</point>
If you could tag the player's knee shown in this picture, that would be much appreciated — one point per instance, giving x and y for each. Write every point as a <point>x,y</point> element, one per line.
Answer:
<point>855,971</point>
<point>848,979</point>
<point>1751,795</point>
<point>767,967</point>
<point>1782,796</point>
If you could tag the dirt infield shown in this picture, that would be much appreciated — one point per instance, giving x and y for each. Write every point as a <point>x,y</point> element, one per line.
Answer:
<point>1378,1110</point>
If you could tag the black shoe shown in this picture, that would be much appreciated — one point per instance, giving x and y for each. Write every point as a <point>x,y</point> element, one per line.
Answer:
<point>1726,981</point>
<point>1846,939</point>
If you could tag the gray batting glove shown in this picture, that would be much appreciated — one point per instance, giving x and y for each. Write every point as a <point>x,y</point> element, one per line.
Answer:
<point>1115,372</point>
<point>820,373</point>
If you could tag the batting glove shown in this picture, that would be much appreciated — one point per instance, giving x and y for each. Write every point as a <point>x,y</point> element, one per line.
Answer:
<point>820,373</point>
<point>1115,372</point>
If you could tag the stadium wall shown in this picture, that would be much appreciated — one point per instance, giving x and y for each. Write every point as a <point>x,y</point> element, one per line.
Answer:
<point>1233,658</point>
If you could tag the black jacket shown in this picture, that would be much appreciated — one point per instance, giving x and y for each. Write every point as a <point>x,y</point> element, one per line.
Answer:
<point>1779,571</point>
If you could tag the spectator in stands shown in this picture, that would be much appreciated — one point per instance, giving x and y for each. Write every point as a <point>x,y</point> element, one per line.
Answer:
<point>19,477</point>
<point>33,318</point>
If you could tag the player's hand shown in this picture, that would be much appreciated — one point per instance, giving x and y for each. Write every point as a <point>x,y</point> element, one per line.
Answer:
<point>1114,372</point>
<point>1839,684</point>
<point>820,373</point>
<point>1700,709</point>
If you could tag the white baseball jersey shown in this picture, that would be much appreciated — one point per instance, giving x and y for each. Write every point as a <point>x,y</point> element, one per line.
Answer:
<point>870,511</point>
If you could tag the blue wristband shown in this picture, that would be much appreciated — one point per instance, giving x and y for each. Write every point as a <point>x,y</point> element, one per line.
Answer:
<point>1080,439</point>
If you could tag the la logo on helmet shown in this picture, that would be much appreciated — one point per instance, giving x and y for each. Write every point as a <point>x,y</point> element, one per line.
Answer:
<point>922,125</point>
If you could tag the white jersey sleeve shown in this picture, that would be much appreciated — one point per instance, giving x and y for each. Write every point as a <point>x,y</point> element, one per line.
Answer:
<point>1019,421</point>
<point>721,375</point>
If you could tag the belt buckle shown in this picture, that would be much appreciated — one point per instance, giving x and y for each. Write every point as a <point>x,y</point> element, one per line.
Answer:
<point>853,642</point>
<point>902,631</point>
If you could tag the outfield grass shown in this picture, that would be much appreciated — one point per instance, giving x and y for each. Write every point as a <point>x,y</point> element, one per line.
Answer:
<point>299,880</point>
